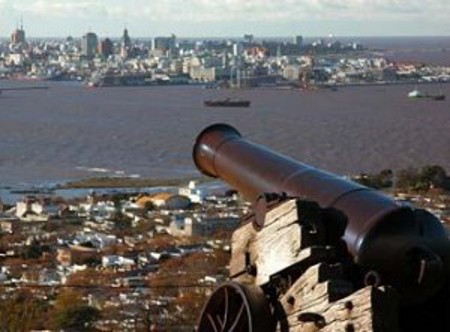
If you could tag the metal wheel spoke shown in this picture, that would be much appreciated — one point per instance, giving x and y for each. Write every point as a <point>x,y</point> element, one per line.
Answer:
<point>238,317</point>
<point>221,323</point>
<point>213,324</point>
<point>227,307</point>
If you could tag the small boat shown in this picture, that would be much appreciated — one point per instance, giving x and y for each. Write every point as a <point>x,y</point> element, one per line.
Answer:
<point>228,102</point>
<point>416,94</point>
<point>419,94</point>
<point>439,97</point>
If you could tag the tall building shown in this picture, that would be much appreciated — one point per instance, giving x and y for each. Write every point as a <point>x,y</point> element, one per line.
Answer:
<point>164,43</point>
<point>237,49</point>
<point>89,44</point>
<point>106,47</point>
<point>18,36</point>
<point>126,41</point>
<point>248,39</point>
<point>126,49</point>
<point>298,40</point>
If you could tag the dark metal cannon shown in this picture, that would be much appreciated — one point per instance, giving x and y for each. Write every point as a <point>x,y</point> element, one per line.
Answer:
<point>392,243</point>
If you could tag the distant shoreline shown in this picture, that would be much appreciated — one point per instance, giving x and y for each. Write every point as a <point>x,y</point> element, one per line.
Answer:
<point>111,182</point>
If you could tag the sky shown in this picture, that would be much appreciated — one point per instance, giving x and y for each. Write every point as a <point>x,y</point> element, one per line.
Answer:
<point>227,18</point>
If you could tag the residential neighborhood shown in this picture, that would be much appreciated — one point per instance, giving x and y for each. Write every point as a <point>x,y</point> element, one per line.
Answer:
<point>133,261</point>
<point>141,255</point>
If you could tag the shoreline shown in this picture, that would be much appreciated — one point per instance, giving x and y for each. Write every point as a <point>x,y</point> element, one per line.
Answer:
<point>82,187</point>
<point>287,86</point>
<point>126,182</point>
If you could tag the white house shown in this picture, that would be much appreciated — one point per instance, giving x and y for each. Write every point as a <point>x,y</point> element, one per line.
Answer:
<point>41,207</point>
<point>195,194</point>
<point>97,240</point>
<point>117,261</point>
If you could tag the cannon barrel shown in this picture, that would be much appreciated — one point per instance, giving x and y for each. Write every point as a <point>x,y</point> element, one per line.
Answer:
<point>380,234</point>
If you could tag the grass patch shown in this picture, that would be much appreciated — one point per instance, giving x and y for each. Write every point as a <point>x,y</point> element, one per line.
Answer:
<point>108,182</point>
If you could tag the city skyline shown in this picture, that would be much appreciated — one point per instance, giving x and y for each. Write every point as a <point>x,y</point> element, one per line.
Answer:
<point>214,18</point>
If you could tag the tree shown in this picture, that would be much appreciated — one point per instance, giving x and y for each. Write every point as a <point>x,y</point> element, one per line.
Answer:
<point>434,175</point>
<point>382,180</point>
<point>71,313</point>
<point>421,180</point>
<point>79,318</point>
<point>20,311</point>
<point>409,179</point>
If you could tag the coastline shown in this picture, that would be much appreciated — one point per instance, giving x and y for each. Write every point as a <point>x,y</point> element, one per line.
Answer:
<point>103,185</point>
<point>124,182</point>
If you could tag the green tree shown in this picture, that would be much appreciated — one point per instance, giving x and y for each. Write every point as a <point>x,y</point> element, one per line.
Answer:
<point>70,312</point>
<point>434,175</point>
<point>79,318</point>
<point>421,180</point>
<point>409,179</point>
<point>382,180</point>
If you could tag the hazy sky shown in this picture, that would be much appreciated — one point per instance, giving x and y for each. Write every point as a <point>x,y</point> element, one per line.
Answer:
<point>227,17</point>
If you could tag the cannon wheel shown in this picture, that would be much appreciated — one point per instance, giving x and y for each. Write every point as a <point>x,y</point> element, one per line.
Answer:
<point>236,307</point>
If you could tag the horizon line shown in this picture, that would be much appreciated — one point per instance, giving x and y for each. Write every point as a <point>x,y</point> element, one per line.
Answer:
<point>257,37</point>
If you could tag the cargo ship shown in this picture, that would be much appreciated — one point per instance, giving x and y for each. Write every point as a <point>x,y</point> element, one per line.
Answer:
<point>228,102</point>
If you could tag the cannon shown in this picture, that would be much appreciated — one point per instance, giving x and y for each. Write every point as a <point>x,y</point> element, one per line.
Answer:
<point>379,242</point>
